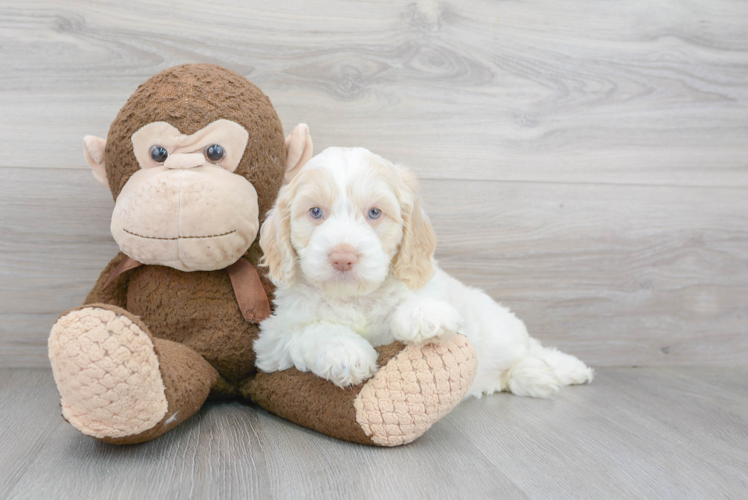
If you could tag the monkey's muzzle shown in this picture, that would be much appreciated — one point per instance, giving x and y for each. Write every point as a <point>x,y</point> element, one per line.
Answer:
<point>191,219</point>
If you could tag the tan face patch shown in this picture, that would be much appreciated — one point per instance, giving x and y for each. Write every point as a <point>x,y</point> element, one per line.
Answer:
<point>107,374</point>
<point>231,136</point>
<point>314,188</point>
<point>193,219</point>
<point>186,209</point>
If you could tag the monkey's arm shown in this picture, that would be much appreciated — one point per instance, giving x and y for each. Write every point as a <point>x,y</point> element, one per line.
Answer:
<point>414,387</point>
<point>116,293</point>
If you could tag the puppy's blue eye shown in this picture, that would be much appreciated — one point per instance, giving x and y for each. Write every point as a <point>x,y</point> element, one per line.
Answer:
<point>159,154</point>
<point>315,212</point>
<point>374,213</point>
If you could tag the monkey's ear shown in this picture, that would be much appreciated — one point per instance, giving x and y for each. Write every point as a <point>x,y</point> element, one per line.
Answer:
<point>93,150</point>
<point>299,150</point>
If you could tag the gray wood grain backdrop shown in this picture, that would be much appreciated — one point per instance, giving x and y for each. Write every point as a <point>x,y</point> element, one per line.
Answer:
<point>586,162</point>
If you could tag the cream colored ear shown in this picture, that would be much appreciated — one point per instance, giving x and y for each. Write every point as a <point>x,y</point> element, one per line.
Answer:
<point>414,262</point>
<point>275,240</point>
<point>299,150</point>
<point>93,151</point>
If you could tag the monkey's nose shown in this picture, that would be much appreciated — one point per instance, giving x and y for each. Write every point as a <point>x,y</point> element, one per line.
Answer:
<point>184,160</point>
<point>343,258</point>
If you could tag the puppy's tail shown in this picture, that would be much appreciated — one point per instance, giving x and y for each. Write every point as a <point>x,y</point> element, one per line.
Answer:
<point>532,377</point>
<point>545,371</point>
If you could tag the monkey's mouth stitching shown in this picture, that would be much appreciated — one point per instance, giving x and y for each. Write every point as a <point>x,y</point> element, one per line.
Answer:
<point>180,237</point>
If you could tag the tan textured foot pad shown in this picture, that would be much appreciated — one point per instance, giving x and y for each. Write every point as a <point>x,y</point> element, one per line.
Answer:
<point>107,373</point>
<point>415,389</point>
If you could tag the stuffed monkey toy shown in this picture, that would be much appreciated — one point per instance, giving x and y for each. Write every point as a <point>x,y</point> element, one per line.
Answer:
<point>194,160</point>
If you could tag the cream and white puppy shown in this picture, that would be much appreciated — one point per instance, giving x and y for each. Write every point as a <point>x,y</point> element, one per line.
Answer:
<point>351,252</point>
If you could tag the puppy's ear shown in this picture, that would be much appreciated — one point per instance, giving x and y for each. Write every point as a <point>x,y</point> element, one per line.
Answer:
<point>299,150</point>
<point>275,239</point>
<point>414,262</point>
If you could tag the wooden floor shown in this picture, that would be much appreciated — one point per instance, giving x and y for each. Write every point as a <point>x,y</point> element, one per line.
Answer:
<point>634,433</point>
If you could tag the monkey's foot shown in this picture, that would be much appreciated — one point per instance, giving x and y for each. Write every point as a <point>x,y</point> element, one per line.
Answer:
<point>414,388</point>
<point>107,372</point>
<point>119,384</point>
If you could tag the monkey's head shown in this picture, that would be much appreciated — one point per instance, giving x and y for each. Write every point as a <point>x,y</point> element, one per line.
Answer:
<point>194,159</point>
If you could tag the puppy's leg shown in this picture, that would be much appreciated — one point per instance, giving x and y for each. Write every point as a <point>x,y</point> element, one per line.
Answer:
<point>333,352</point>
<point>425,320</point>
<point>343,357</point>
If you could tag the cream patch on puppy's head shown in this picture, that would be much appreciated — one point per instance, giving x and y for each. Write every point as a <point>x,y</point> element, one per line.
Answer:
<point>347,221</point>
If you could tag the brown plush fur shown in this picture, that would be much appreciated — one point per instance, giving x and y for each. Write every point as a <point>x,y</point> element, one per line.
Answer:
<point>312,402</point>
<point>189,97</point>
<point>187,377</point>
<point>197,309</point>
<point>202,341</point>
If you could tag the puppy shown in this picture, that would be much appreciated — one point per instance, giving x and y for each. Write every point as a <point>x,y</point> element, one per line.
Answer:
<point>351,252</point>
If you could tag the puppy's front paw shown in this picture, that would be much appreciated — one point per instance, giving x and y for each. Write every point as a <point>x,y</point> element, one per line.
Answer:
<point>426,321</point>
<point>345,362</point>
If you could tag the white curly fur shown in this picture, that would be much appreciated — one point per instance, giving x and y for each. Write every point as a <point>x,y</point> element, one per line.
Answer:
<point>327,321</point>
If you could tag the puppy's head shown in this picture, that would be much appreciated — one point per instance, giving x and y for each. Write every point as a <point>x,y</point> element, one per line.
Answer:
<point>345,222</point>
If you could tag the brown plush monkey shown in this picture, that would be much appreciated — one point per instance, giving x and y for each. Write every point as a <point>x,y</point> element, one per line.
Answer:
<point>194,160</point>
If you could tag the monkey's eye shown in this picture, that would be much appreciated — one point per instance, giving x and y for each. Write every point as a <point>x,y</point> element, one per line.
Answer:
<point>315,213</point>
<point>374,213</point>
<point>159,154</point>
<point>215,153</point>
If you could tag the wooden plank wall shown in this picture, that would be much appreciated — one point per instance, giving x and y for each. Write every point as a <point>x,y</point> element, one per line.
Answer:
<point>585,162</point>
